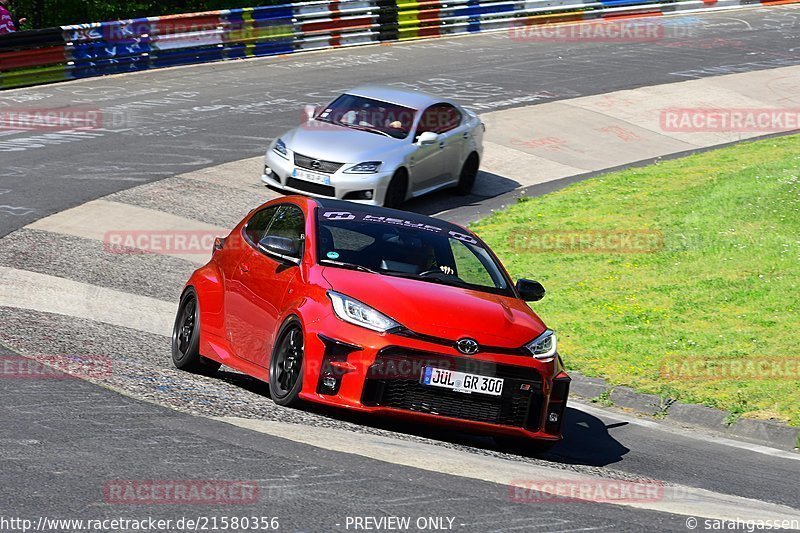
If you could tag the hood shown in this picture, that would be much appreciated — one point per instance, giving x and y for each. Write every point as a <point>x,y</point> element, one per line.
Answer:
<point>338,143</point>
<point>441,310</point>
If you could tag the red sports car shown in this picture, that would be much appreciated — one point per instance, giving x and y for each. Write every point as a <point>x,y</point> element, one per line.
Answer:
<point>377,311</point>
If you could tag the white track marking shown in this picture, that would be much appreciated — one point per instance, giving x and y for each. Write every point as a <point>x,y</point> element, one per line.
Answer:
<point>243,174</point>
<point>105,221</point>
<point>675,499</point>
<point>22,289</point>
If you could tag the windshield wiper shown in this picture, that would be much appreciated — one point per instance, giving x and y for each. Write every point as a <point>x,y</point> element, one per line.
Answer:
<point>452,281</point>
<point>367,128</point>
<point>353,266</point>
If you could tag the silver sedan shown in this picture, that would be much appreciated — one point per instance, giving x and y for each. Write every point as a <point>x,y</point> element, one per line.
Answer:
<point>378,145</point>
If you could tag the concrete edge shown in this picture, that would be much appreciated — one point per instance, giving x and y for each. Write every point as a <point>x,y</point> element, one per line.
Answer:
<point>664,409</point>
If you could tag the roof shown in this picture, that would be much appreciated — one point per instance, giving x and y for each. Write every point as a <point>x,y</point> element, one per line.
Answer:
<point>326,203</point>
<point>394,95</point>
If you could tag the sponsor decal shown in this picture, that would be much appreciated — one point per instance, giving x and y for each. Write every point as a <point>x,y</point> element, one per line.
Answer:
<point>394,221</point>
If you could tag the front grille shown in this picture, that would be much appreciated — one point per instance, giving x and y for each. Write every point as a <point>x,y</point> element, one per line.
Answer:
<point>519,405</point>
<point>311,187</point>
<point>318,165</point>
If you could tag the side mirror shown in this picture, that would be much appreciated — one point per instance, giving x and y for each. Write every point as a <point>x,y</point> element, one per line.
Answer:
<point>310,111</point>
<point>530,291</point>
<point>283,248</point>
<point>427,138</point>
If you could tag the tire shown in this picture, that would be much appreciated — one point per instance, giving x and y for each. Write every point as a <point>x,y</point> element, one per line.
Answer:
<point>466,180</point>
<point>186,338</point>
<point>396,192</point>
<point>285,383</point>
<point>523,446</point>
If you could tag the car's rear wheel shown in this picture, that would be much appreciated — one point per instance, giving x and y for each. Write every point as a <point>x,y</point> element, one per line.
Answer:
<point>396,192</point>
<point>186,337</point>
<point>466,180</point>
<point>286,365</point>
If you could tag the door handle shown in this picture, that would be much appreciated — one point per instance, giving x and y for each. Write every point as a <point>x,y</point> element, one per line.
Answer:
<point>244,268</point>
<point>441,144</point>
<point>466,135</point>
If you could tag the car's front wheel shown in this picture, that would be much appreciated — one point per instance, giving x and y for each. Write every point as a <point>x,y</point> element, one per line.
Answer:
<point>286,365</point>
<point>396,192</point>
<point>186,337</point>
<point>466,180</point>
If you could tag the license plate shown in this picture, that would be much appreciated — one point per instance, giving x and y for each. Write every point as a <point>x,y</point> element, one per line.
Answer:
<point>299,173</point>
<point>461,381</point>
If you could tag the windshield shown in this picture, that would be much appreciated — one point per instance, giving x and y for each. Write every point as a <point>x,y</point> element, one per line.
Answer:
<point>411,249</point>
<point>381,118</point>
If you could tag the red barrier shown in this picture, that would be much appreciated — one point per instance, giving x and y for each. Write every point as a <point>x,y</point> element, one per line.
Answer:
<point>32,58</point>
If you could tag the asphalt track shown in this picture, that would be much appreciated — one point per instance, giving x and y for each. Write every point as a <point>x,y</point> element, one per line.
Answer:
<point>65,438</point>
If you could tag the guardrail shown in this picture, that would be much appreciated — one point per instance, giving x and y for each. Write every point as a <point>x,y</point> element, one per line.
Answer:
<point>86,50</point>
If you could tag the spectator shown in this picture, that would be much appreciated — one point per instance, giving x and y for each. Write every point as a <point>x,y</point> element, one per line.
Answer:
<point>6,20</point>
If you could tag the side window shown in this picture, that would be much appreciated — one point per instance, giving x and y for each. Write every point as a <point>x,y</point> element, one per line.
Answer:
<point>452,118</point>
<point>468,267</point>
<point>289,223</point>
<point>258,224</point>
<point>439,118</point>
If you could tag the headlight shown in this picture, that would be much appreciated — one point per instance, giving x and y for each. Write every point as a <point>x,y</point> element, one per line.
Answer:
<point>280,148</point>
<point>368,167</point>
<point>355,312</point>
<point>543,348</point>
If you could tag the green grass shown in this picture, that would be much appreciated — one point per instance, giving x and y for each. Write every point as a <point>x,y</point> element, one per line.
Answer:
<point>725,284</point>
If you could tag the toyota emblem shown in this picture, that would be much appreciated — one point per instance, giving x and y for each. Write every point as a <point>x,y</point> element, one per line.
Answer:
<point>467,346</point>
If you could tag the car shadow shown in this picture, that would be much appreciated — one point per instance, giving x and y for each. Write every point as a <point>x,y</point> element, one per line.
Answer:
<point>487,185</point>
<point>587,440</point>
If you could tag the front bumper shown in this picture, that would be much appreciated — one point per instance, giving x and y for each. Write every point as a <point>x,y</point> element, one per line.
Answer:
<point>348,366</point>
<point>353,187</point>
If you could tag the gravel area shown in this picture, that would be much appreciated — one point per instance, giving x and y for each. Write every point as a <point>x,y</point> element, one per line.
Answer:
<point>84,260</point>
<point>194,199</point>
<point>141,368</point>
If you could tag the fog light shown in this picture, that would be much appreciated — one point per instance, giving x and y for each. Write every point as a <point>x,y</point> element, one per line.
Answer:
<point>366,194</point>
<point>334,364</point>
<point>267,170</point>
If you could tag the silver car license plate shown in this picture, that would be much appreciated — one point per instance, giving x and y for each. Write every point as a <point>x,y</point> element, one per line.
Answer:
<point>315,177</point>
